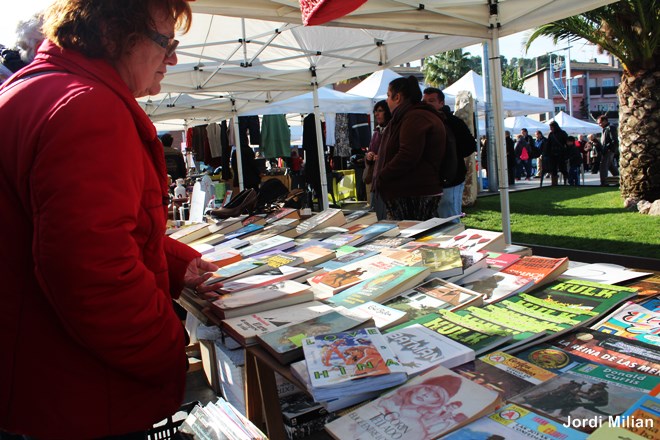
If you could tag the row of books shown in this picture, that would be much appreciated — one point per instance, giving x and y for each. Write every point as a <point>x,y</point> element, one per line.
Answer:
<point>395,281</point>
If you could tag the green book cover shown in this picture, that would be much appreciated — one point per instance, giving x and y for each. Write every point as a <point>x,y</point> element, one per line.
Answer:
<point>381,287</point>
<point>473,333</point>
<point>517,327</point>
<point>534,307</point>
<point>589,296</point>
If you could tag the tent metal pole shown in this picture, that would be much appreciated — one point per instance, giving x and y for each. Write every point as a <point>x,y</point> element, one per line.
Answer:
<point>496,91</point>
<point>319,144</point>
<point>491,165</point>
<point>237,146</point>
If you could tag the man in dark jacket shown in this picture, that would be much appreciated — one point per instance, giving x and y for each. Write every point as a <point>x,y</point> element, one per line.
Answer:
<point>451,202</point>
<point>176,166</point>
<point>610,146</point>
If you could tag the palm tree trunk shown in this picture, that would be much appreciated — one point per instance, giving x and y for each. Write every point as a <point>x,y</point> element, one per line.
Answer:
<point>639,133</point>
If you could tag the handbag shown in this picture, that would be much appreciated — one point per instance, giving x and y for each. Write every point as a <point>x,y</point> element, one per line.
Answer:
<point>524,155</point>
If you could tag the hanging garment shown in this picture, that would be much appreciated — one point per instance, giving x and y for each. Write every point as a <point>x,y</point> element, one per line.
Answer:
<point>226,150</point>
<point>213,133</point>
<point>275,137</point>
<point>249,125</point>
<point>359,131</point>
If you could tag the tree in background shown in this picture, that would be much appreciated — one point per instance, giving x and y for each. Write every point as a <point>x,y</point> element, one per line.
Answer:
<point>445,69</point>
<point>511,78</point>
<point>630,31</point>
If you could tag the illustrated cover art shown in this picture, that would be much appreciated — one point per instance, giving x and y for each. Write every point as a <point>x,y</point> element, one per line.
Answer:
<point>632,321</point>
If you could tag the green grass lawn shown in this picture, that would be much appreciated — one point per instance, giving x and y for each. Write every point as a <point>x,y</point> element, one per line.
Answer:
<point>584,218</point>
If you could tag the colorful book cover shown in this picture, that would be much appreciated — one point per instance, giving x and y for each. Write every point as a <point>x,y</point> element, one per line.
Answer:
<point>269,277</point>
<point>264,245</point>
<point>495,285</point>
<point>463,329</point>
<point>585,295</point>
<point>260,294</point>
<point>337,358</point>
<point>372,231</point>
<point>652,304</point>
<point>642,418</point>
<point>540,269</point>
<point>386,243</point>
<point>425,407</point>
<point>328,217</point>
<point>500,260</point>
<point>586,396</point>
<point>314,255</point>
<point>404,257</point>
<point>648,287</point>
<point>381,287</point>
<point>245,230</point>
<point>632,321</point>
<point>233,269</point>
<point>433,295</point>
<point>340,279</point>
<point>503,373</point>
<point>344,259</point>
<point>610,350</point>
<point>440,261</point>
<point>514,422</point>
<point>288,338</point>
<point>419,349</point>
<point>551,358</point>
<point>519,328</point>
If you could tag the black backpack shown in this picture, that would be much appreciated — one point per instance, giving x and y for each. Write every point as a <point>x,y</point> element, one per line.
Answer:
<point>449,162</point>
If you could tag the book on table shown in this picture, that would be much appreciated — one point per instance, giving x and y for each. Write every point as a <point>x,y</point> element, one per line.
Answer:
<point>426,407</point>
<point>328,217</point>
<point>285,343</point>
<point>500,260</point>
<point>471,262</point>
<point>264,279</point>
<point>313,255</point>
<point>495,285</point>
<point>254,300</point>
<point>381,287</point>
<point>244,231</point>
<point>223,257</point>
<point>359,217</point>
<point>212,239</point>
<point>476,239</point>
<point>347,255</point>
<point>632,321</point>
<point>541,270</point>
<point>384,316</point>
<point>245,328</point>
<point>515,422</point>
<point>433,295</point>
<point>426,227</point>
<point>320,235</point>
<point>371,232</point>
<point>586,394</point>
<point>190,233</point>
<point>337,280</point>
<point>352,362</point>
<point>602,273</point>
<point>647,287</point>
<point>386,243</point>
<point>442,262</point>
<point>419,349</point>
<point>253,266</point>
<point>503,373</point>
<point>647,411</point>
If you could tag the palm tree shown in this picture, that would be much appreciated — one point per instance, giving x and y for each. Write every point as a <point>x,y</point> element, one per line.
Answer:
<point>630,31</point>
<point>444,69</point>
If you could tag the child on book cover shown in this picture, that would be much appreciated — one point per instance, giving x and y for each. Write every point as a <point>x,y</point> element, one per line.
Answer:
<point>419,406</point>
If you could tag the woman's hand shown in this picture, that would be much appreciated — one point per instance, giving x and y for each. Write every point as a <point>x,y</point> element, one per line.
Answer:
<point>197,272</point>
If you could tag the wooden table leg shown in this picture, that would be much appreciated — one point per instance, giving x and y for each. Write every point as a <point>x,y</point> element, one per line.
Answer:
<point>262,405</point>
<point>253,404</point>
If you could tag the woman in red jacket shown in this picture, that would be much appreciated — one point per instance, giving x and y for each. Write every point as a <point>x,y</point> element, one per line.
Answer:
<point>90,344</point>
<point>407,174</point>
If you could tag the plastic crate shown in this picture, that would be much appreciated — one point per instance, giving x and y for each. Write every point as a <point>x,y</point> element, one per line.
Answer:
<point>167,429</point>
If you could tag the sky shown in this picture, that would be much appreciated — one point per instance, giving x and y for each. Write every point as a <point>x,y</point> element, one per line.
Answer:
<point>510,47</point>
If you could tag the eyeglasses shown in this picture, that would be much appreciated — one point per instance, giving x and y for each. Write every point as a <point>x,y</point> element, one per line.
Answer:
<point>167,43</point>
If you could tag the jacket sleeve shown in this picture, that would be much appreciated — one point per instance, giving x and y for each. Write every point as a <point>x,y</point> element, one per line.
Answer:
<point>179,256</point>
<point>466,143</point>
<point>92,215</point>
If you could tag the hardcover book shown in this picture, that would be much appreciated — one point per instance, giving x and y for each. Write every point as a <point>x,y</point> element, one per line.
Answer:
<point>503,373</point>
<point>584,396</point>
<point>426,407</point>
<point>419,349</point>
<point>279,294</point>
<point>514,422</point>
<point>336,360</point>
<point>285,343</point>
<point>541,270</point>
<point>381,287</point>
<point>245,328</point>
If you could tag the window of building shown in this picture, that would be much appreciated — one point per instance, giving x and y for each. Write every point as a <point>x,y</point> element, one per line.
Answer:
<point>592,82</point>
<point>560,108</point>
<point>607,82</point>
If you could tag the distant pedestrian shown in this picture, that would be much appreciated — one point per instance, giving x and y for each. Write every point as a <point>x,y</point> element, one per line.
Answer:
<point>574,161</point>
<point>610,147</point>
<point>554,156</point>
<point>595,152</point>
<point>523,158</point>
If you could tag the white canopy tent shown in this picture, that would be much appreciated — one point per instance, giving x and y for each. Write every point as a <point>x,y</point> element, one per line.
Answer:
<point>479,19</point>
<point>517,123</point>
<point>330,101</point>
<point>573,125</point>
<point>513,103</point>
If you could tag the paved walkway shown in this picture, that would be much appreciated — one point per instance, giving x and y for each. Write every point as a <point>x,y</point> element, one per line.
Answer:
<point>587,180</point>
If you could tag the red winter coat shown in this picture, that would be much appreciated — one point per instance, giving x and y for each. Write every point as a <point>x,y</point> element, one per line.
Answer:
<point>89,343</point>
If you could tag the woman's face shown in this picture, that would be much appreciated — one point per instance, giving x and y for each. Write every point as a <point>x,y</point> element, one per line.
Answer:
<point>393,99</point>
<point>379,115</point>
<point>143,66</point>
<point>426,396</point>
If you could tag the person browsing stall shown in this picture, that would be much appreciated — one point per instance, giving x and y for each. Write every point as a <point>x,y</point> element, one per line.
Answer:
<point>91,346</point>
<point>407,174</point>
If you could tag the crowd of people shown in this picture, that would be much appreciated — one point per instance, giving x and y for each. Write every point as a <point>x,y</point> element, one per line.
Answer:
<point>559,155</point>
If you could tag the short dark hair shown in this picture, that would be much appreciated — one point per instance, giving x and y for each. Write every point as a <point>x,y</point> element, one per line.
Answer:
<point>570,138</point>
<point>107,28</point>
<point>408,87</point>
<point>430,90</point>
<point>167,140</point>
<point>388,114</point>
<point>602,118</point>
